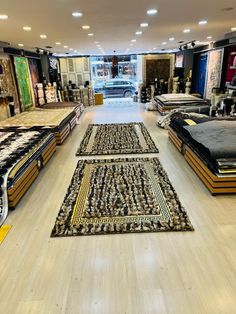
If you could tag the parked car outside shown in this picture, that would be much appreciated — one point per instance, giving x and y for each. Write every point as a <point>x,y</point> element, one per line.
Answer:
<point>117,88</point>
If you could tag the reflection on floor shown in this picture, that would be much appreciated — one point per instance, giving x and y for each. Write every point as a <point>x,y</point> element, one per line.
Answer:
<point>148,273</point>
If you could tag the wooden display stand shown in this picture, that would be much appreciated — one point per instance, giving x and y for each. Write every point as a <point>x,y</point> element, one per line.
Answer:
<point>215,184</point>
<point>98,99</point>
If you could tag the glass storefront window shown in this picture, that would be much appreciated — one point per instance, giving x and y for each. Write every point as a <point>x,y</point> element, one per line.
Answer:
<point>101,74</point>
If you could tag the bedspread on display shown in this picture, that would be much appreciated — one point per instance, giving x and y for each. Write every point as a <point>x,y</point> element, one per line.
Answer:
<point>179,99</point>
<point>16,151</point>
<point>39,117</point>
<point>217,137</point>
<point>212,139</point>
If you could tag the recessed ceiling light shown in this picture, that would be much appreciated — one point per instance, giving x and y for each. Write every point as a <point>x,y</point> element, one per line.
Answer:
<point>77,14</point>
<point>144,24</point>
<point>90,34</point>
<point>20,45</point>
<point>43,36</point>
<point>139,33</point>
<point>209,37</point>
<point>75,51</point>
<point>3,17</point>
<point>187,30</point>
<point>58,43</point>
<point>164,43</point>
<point>133,40</point>
<point>65,47</point>
<point>96,42</point>
<point>27,28</point>
<point>233,29</point>
<point>203,22</point>
<point>86,27</point>
<point>71,49</point>
<point>154,48</point>
<point>171,39</point>
<point>152,11</point>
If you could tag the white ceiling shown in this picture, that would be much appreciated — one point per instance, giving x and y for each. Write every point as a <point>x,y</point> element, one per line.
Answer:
<point>113,23</point>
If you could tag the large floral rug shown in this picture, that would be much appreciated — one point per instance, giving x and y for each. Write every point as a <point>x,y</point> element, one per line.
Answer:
<point>120,196</point>
<point>110,139</point>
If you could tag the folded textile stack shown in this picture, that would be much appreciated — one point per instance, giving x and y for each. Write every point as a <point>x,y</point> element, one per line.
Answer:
<point>19,153</point>
<point>167,102</point>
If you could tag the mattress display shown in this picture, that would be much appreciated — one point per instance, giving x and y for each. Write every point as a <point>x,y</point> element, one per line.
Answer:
<point>22,156</point>
<point>167,102</point>
<point>59,121</point>
<point>209,146</point>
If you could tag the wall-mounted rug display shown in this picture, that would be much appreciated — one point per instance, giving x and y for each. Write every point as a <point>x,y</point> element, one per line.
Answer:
<point>76,70</point>
<point>120,196</point>
<point>231,64</point>
<point>24,83</point>
<point>36,75</point>
<point>7,82</point>
<point>200,74</point>
<point>110,139</point>
<point>179,59</point>
<point>158,66</point>
<point>214,68</point>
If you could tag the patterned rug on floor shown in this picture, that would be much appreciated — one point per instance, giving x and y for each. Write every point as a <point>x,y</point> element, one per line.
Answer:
<point>120,196</point>
<point>110,139</point>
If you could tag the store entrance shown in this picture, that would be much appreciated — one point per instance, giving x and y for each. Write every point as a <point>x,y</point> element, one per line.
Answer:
<point>121,85</point>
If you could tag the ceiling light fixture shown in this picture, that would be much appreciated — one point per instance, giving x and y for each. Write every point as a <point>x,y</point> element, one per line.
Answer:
<point>58,43</point>
<point>20,45</point>
<point>164,43</point>
<point>171,39</point>
<point>96,42</point>
<point>233,29</point>
<point>187,30</point>
<point>27,28</point>
<point>71,49</point>
<point>203,22</point>
<point>65,47</point>
<point>43,36</point>
<point>86,27</point>
<point>152,11</point>
<point>131,45</point>
<point>133,40</point>
<point>77,14</point>
<point>91,34</point>
<point>3,17</point>
<point>139,33</point>
<point>209,37</point>
<point>144,24</point>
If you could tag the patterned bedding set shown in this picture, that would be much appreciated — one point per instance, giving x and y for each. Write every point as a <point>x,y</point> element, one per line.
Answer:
<point>214,140</point>
<point>167,102</point>
<point>17,151</point>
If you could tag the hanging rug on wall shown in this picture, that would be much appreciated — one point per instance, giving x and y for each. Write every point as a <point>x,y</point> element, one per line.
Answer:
<point>110,139</point>
<point>120,196</point>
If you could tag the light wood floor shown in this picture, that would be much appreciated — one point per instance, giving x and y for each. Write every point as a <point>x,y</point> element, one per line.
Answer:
<point>176,273</point>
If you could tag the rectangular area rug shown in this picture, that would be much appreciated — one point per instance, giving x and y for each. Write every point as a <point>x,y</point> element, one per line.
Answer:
<point>110,139</point>
<point>120,196</point>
